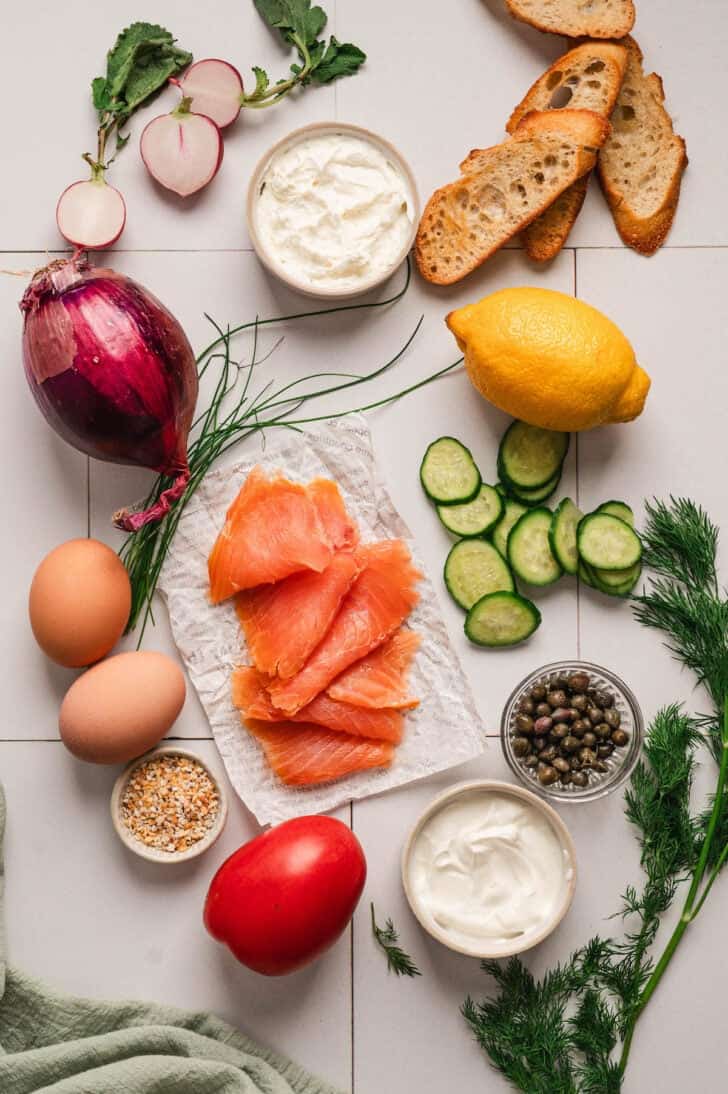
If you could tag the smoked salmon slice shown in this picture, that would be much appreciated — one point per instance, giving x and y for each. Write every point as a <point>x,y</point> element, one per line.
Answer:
<point>284,623</point>
<point>252,699</point>
<point>303,755</point>
<point>380,678</point>
<point>379,601</point>
<point>272,529</point>
<point>340,528</point>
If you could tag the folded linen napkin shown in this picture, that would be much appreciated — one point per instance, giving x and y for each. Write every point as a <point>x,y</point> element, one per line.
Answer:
<point>58,1044</point>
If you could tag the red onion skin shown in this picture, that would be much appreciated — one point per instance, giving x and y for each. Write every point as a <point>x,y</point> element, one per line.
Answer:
<point>112,372</point>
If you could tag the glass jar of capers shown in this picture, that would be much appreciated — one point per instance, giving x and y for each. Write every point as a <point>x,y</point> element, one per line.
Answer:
<point>572,731</point>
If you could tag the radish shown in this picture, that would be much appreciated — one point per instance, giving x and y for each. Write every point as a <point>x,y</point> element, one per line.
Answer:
<point>216,89</point>
<point>182,150</point>
<point>91,214</point>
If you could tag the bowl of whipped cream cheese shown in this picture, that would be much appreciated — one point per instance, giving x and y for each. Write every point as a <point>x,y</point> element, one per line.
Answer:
<point>489,869</point>
<point>332,210</point>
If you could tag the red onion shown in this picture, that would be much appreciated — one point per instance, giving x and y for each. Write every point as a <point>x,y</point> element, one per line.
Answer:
<point>112,371</point>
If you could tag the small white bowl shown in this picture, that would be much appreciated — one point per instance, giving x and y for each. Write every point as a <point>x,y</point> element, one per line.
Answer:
<point>562,834</point>
<point>269,260</point>
<point>153,854</point>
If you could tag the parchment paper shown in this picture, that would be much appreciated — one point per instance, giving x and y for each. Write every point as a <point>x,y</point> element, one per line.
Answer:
<point>443,731</point>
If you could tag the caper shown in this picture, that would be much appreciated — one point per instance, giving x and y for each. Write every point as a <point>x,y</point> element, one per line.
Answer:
<point>605,750</point>
<point>603,698</point>
<point>561,764</point>
<point>578,681</point>
<point>521,747</point>
<point>612,717</point>
<point>557,698</point>
<point>570,744</point>
<point>563,714</point>
<point>589,739</point>
<point>595,715</point>
<point>543,725</point>
<point>526,705</point>
<point>579,702</point>
<point>548,754</point>
<point>579,778</point>
<point>538,692</point>
<point>564,778</point>
<point>543,710</point>
<point>561,682</point>
<point>602,731</point>
<point>531,761</point>
<point>587,757</point>
<point>559,731</point>
<point>600,766</point>
<point>547,774</point>
<point>574,763</point>
<point>580,727</point>
<point>619,737</point>
<point>524,724</point>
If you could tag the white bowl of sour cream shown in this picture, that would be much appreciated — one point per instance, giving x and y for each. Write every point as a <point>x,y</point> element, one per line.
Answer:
<point>489,869</point>
<point>332,210</point>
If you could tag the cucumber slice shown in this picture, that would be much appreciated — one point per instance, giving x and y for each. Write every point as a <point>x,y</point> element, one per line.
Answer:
<point>474,568</point>
<point>617,509</point>
<point>448,472</point>
<point>473,518</point>
<point>587,575</point>
<point>529,550</point>
<point>529,456</point>
<point>562,535</point>
<point>612,579</point>
<point>607,543</point>
<point>501,619</point>
<point>537,496</point>
<point>512,511</point>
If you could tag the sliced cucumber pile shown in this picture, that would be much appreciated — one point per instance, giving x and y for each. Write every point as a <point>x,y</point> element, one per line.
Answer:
<point>512,510</point>
<point>476,517</point>
<point>473,569</point>
<point>529,549</point>
<point>501,619</point>
<point>527,541</point>
<point>448,472</point>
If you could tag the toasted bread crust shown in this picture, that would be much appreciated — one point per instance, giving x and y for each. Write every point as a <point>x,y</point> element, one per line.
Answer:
<point>643,96</point>
<point>502,189</point>
<point>573,24</point>
<point>591,74</point>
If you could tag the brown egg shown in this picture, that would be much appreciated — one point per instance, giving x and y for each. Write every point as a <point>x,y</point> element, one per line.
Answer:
<point>122,707</point>
<point>79,602</point>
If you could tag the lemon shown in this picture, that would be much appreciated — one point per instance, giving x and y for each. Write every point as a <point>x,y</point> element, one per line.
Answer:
<point>549,359</point>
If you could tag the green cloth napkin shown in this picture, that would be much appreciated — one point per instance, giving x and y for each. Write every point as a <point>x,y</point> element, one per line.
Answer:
<point>58,1044</point>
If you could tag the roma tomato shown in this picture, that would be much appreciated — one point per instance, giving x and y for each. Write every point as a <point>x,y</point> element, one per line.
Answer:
<point>283,898</point>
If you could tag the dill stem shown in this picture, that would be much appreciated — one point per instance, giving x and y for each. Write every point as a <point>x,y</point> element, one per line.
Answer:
<point>690,908</point>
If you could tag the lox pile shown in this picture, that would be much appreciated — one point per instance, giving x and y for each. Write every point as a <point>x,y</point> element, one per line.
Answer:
<point>323,618</point>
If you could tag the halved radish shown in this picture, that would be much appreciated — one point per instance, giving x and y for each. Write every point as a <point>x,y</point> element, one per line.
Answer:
<point>182,150</point>
<point>91,214</point>
<point>216,90</point>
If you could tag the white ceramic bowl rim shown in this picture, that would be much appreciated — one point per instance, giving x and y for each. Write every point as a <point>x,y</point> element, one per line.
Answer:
<point>562,833</point>
<point>269,260</point>
<point>153,854</point>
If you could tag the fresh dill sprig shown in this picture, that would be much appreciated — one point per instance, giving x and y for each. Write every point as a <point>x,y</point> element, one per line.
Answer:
<point>563,1033</point>
<point>398,962</point>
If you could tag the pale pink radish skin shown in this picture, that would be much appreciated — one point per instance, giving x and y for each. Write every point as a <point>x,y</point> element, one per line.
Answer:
<point>216,90</point>
<point>91,214</point>
<point>182,151</point>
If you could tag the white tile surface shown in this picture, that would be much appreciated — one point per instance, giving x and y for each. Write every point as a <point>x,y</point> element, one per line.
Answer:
<point>440,79</point>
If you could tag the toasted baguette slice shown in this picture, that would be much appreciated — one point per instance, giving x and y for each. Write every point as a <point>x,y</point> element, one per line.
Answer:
<point>588,77</point>
<point>502,189</point>
<point>576,19</point>
<point>642,163</point>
